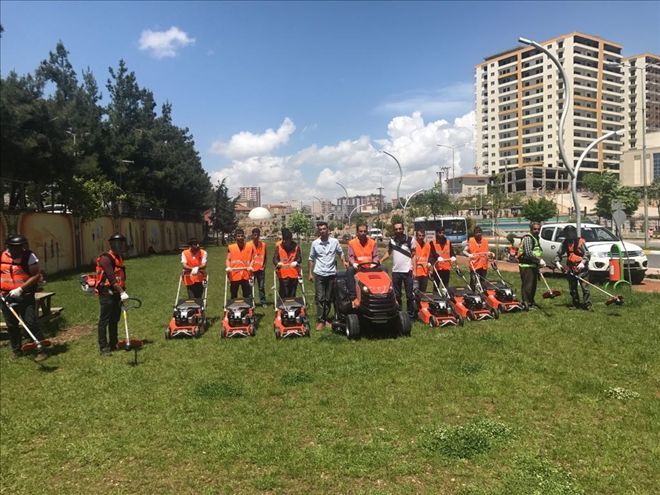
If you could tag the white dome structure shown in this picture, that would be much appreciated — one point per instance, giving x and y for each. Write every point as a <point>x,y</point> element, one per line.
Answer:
<point>259,213</point>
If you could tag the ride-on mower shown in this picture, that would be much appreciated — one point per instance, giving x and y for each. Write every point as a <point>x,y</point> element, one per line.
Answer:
<point>239,319</point>
<point>373,303</point>
<point>188,315</point>
<point>291,318</point>
<point>470,304</point>
<point>436,309</point>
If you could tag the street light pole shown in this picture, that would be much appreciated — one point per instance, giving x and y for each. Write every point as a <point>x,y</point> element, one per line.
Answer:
<point>343,209</point>
<point>398,187</point>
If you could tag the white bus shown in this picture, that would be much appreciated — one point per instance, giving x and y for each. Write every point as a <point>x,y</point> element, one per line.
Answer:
<point>455,227</point>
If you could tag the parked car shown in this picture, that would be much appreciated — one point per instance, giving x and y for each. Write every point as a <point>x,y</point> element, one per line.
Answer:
<point>599,241</point>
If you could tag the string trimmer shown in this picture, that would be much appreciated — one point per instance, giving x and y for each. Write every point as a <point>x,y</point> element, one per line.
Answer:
<point>550,293</point>
<point>28,346</point>
<point>128,344</point>
<point>612,298</point>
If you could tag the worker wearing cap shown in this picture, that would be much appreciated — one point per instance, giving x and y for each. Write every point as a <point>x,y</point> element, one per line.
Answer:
<point>194,260</point>
<point>111,289</point>
<point>18,284</point>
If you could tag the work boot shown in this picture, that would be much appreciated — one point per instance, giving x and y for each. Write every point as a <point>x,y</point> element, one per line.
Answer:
<point>41,356</point>
<point>587,306</point>
<point>105,351</point>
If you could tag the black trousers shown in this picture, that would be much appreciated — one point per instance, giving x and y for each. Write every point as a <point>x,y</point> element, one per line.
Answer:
<point>324,294</point>
<point>110,305</point>
<point>195,291</point>
<point>482,272</point>
<point>27,310</point>
<point>421,283</point>
<point>573,289</point>
<point>529,277</point>
<point>405,280</point>
<point>444,276</point>
<point>240,284</point>
<point>287,287</point>
<point>260,280</point>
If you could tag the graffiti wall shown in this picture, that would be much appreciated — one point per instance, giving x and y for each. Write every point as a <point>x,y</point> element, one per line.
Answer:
<point>62,242</point>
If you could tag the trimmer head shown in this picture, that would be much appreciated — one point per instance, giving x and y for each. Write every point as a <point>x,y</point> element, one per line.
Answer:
<point>551,294</point>
<point>130,345</point>
<point>30,346</point>
<point>618,300</point>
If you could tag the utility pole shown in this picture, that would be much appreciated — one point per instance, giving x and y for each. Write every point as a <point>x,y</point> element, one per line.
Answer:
<point>446,171</point>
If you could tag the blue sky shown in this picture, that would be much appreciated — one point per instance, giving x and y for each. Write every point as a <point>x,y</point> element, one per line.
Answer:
<point>295,96</point>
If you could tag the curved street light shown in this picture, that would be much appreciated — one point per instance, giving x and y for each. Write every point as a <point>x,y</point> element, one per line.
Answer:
<point>398,187</point>
<point>353,211</point>
<point>343,211</point>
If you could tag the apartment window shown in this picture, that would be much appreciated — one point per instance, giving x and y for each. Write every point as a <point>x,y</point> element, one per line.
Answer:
<point>656,165</point>
<point>550,106</point>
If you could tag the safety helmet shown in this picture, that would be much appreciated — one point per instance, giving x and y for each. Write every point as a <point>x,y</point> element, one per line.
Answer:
<point>117,237</point>
<point>16,240</point>
<point>193,241</point>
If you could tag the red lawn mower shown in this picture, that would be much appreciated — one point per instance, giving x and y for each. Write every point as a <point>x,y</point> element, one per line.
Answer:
<point>469,304</point>
<point>437,309</point>
<point>239,318</point>
<point>291,318</point>
<point>188,315</point>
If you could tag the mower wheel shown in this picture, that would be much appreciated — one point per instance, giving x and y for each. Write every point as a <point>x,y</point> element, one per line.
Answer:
<point>461,320</point>
<point>197,332</point>
<point>167,333</point>
<point>405,325</point>
<point>308,329</point>
<point>352,326</point>
<point>277,334</point>
<point>253,329</point>
<point>432,321</point>
<point>470,315</point>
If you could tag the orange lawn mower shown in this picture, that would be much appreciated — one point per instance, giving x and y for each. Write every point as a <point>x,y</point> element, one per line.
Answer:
<point>36,344</point>
<point>469,304</point>
<point>499,295</point>
<point>437,309</point>
<point>239,318</point>
<point>291,318</point>
<point>188,315</point>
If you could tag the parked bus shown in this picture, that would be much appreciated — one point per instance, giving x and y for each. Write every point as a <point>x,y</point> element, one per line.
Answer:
<point>455,227</point>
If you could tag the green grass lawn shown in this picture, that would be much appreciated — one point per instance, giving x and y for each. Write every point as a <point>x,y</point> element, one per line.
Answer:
<point>560,402</point>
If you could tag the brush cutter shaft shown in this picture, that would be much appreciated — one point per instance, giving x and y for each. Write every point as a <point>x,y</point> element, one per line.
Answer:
<point>20,320</point>
<point>593,285</point>
<point>178,290</point>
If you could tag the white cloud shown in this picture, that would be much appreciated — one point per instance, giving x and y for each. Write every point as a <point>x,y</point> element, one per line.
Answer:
<point>357,163</point>
<point>457,99</point>
<point>161,44</point>
<point>246,144</point>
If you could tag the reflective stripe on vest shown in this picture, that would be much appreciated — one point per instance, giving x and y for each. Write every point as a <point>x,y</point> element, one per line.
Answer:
<point>479,262</point>
<point>363,254</point>
<point>117,268</point>
<point>193,260</point>
<point>444,253</point>
<point>13,271</point>
<point>259,255</point>
<point>239,258</point>
<point>287,259</point>
<point>536,251</point>
<point>422,253</point>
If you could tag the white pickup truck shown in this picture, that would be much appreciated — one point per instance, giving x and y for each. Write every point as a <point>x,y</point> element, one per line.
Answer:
<point>599,241</point>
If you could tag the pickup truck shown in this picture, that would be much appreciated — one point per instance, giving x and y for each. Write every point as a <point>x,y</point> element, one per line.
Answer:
<point>599,241</point>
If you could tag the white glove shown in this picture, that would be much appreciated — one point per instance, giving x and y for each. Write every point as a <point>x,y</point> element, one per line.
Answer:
<point>250,269</point>
<point>279,264</point>
<point>542,263</point>
<point>124,296</point>
<point>580,267</point>
<point>356,266</point>
<point>470,255</point>
<point>558,265</point>
<point>440,259</point>
<point>429,265</point>
<point>453,259</point>
<point>228,269</point>
<point>194,271</point>
<point>15,292</point>
<point>294,264</point>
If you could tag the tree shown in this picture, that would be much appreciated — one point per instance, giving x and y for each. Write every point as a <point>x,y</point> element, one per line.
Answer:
<point>653,193</point>
<point>299,223</point>
<point>359,219</point>
<point>539,211</point>
<point>224,216</point>
<point>608,188</point>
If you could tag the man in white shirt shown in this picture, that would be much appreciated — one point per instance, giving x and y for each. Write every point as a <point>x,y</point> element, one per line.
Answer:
<point>401,250</point>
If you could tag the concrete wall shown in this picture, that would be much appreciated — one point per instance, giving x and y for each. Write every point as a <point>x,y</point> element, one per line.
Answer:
<point>63,242</point>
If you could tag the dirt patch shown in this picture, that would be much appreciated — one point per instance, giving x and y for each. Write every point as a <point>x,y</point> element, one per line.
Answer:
<point>72,333</point>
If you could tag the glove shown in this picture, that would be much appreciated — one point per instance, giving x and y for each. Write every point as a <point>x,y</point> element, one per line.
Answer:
<point>558,265</point>
<point>294,264</point>
<point>356,266</point>
<point>124,296</point>
<point>470,256</point>
<point>279,264</point>
<point>228,269</point>
<point>250,269</point>
<point>429,265</point>
<point>440,259</point>
<point>194,271</point>
<point>14,293</point>
<point>580,267</point>
<point>542,263</point>
<point>453,259</point>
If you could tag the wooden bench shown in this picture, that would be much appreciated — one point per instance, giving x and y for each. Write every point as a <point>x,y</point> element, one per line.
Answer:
<point>45,311</point>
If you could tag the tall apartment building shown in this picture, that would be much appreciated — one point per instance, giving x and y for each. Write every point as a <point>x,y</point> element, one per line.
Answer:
<point>250,195</point>
<point>519,97</point>
<point>641,87</point>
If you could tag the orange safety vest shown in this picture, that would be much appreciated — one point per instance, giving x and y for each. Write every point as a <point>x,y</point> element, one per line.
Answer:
<point>259,255</point>
<point>14,270</point>
<point>287,259</point>
<point>480,262</point>
<point>363,254</point>
<point>444,253</point>
<point>239,259</point>
<point>192,260</point>
<point>118,270</point>
<point>422,253</point>
<point>575,256</point>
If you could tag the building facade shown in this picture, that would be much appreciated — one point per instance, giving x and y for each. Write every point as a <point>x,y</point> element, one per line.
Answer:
<point>468,185</point>
<point>250,195</point>
<point>519,99</point>
<point>641,87</point>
